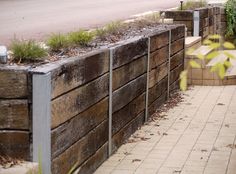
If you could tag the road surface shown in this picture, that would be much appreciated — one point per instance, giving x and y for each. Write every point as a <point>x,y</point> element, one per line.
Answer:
<point>38,18</point>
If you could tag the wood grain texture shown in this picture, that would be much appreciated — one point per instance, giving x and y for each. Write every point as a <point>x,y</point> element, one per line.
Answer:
<point>157,74</point>
<point>177,59</point>
<point>157,90</point>
<point>127,93</point>
<point>177,32</point>
<point>78,71</point>
<point>158,57</point>
<point>80,151</point>
<point>94,162</point>
<point>156,104</point>
<point>159,40</point>
<point>13,83</point>
<point>174,74</point>
<point>14,114</point>
<point>15,144</point>
<point>129,50</point>
<point>77,127</point>
<point>69,105</point>
<point>119,138</point>
<point>180,15</point>
<point>127,113</point>
<point>128,72</point>
<point>176,46</point>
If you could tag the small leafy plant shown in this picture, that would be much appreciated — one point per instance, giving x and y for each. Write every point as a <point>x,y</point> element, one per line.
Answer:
<point>220,68</point>
<point>26,51</point>
<point>193,4</point>
<point>58,42</point>
<point>80,38</point>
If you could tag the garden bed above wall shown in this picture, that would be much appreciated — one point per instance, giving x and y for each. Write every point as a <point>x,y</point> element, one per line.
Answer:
<point>78,111</point>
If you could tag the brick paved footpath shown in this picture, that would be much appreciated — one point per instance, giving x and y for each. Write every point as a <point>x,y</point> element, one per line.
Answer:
<point>197,137</point>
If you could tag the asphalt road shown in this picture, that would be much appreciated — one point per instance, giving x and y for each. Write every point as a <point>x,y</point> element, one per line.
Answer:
<point>38,18</point>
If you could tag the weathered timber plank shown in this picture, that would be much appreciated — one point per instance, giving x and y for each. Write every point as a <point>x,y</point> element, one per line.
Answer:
<point>81,150</point>
<point>203,12</point>
<point>158,57</point>
<point>94,162</point>
<point>127,93</point>
<point>189,24</point>
<point>127,113</point>
<point>14,114</point>
<point>129,50</point>
<point>159,40</point>
<point>157,90</point>
<point>15,144</point>
<point>72,74</point>
<point>157,103</point>
<point>128,72</point>
<point>177,59</point>
<point>180,15</point>
<point>13,83</point>
<point>119,138</point>
<point>174,86</point>
<point>177,33</point>
<point>76,101</point>
<point>71,131</point>
<point>174,74</point>
<point>176,46</point>
<point>157,74</point>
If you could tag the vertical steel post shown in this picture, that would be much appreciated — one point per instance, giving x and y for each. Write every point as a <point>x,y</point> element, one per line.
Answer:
<point>147,85</point>
<point>42,120</point>
<point>196,23</point>
<point>169,59</point>
<point>110,103</point>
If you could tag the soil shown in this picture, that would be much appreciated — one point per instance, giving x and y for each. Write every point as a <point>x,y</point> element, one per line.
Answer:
<point>127,31</point>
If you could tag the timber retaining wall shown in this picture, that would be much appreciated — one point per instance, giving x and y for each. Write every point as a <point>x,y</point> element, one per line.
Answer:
<point>95,101</point>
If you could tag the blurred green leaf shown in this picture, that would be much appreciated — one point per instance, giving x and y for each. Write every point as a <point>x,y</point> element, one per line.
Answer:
<point>214,45</point>
<point>183,80</point>
<point>200,56</point>
<point>194,64</point>
<point>212,55</point>
<point>228,45</point>
<point>227,64</point>
<point>221,71</point>
<point>229,55</point>
<point>207,42</point>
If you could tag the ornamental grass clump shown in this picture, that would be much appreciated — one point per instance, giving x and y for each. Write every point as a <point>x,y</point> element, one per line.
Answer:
<point>230,8</point>
<point>27,51</point>
<point>80,38</point>
<point>193,4</point>
<point>58,42</point>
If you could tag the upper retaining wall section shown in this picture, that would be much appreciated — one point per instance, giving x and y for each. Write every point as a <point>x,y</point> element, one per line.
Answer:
<point>210,20</point>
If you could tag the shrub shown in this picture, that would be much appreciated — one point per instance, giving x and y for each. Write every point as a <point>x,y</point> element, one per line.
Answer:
<point>57,42</point>
<point>154,17</point>
<point>193,4</point>
<point>230,8</point>
<point>23,51</point>
<point>80,38</point>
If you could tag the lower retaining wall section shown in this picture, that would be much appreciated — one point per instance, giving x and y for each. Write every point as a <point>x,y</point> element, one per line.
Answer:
<point>82,89</point>
<point>14,112</point>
